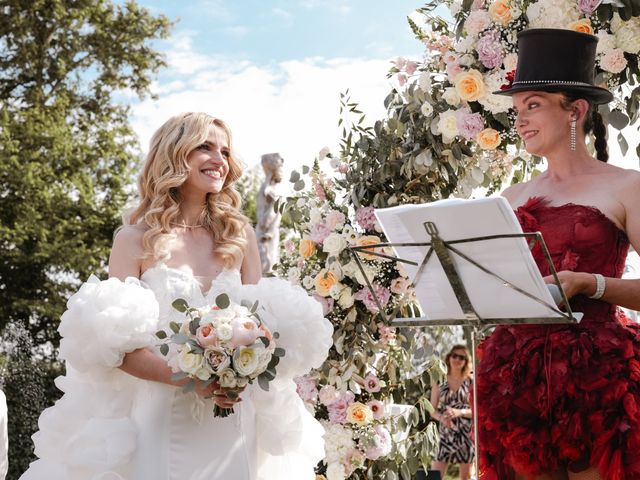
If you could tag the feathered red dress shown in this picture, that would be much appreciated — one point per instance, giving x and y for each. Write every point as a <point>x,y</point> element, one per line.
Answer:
<point>564,396</point>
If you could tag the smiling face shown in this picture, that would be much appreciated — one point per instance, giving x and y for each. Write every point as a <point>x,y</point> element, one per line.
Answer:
<point>209,163</point>
<point>542,122</point>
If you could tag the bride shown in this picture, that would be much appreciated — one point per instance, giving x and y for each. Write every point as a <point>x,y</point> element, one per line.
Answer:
<point>122,415</point>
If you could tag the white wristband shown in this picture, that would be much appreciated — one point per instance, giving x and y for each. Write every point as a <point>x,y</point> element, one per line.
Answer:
<point>600,286</point>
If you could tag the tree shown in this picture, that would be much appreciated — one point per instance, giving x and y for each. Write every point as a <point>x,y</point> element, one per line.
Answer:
<point>67,152</point>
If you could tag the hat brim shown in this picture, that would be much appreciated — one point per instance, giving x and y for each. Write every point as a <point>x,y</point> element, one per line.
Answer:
<point>597,95</point>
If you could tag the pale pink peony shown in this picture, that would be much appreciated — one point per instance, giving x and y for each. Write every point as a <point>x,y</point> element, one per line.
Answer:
<point>453,70</point>
<point>476,22</point>
<point>245,332</point>
<point>613,61</point>
<point>588,6</point>
<point>410,67</point>
<point>206,336</point>
<point>338,408</point>
<point>306,388</point>
<point>469,124</point>
<point>319,232</point>
<point>371,383</point>
<point>381,444</point>
<point>328,394</point>
<point>334,219</point>
<point>366,297</point>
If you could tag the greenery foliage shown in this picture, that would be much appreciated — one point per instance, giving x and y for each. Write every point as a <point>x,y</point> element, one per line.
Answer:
<point>66,148</point>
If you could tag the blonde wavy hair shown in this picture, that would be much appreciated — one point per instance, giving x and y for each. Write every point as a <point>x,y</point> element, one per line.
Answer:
<point>165,170</point>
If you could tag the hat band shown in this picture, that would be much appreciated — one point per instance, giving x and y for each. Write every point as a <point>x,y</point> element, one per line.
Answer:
<point>561,82</point>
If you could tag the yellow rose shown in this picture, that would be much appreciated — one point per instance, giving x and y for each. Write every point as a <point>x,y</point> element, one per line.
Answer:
<point>368,240</point>
<point>324,281</point>
<point>359,413</point>
<point>500,12</point>
<point>583,25</point>
<point>488,139</point>
<point>307,248</point>
<point>470,85</point>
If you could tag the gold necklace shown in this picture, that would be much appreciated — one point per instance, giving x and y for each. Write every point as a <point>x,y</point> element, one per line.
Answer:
<point>184,225</point>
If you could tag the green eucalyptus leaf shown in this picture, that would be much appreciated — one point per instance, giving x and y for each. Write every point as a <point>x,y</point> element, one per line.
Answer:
<point>161,334</point>
<point>180,305</point>
<point>299,185</point>
<point>164,349</point>
<point>223,301</point>
<point>295,176</point>
<point>175,328</point>
<point>618,119</point>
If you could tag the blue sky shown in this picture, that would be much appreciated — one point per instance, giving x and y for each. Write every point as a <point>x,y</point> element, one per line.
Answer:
<point>274,70</point>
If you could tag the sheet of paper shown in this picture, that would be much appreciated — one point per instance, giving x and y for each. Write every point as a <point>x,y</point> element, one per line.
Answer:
<point>509,258</point>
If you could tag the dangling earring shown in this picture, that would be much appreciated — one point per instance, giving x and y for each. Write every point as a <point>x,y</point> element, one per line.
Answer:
<point>572,138</point>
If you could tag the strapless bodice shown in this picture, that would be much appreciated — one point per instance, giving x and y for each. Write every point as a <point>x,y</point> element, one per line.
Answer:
<point>168,284</point>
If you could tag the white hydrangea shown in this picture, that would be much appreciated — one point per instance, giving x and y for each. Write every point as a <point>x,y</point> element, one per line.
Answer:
<point>465,45</point>
<point>336,471</point>
<point>606,42</point>
<point>552,13</point>
<point>627,33</point>
<point>338,440</point>
<point>448,126</point>
<point>495,103</point>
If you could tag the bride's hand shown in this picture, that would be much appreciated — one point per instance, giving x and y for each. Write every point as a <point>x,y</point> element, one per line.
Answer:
<point>219,394</point>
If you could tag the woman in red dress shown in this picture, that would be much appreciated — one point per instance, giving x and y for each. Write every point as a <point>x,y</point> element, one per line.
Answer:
<point>563,401</point>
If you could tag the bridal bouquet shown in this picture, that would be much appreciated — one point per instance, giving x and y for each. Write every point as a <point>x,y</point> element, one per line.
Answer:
<point>225,343</point>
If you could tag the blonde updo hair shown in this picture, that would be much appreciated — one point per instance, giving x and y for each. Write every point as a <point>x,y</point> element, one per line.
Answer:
<point>166,169</point>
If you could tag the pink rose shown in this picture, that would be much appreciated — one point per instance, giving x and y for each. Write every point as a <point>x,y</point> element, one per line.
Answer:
<point>328,394</point>
<point>371,383</point>
<point>206,336</point>
<point>217,358</point>
<point>387,334</point>
<point>588,6</point>
<point>319,232</point>
<point>399,285</point>
<point>334,219</point>
<point>410,67</point>
<point>613,61</point>
<point>366,297</point>
<point>377,407</point>
<point>451,57</point>
<point>477,21</point>
<point>453,70</point>
<point>343,168</point>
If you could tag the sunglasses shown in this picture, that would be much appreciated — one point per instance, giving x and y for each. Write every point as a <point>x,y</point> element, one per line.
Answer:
<point>457,356</point>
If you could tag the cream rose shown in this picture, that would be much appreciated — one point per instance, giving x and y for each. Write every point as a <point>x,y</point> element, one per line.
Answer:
<point>448,126</point>
<point>224,331</point>
<point>366,240</point>
<point>189,362</point>
<point>307,248</point>
<point>227,378</point>
<point>500,12</point>
<point>359,414</point>
<point>247,359</point>
<point>451,96</point>
<point>217,358</point>
<point>470,85</point>
<point>583,25</point>
<point>488,139</point>
<point>345,300</point>
<point>324,281</point>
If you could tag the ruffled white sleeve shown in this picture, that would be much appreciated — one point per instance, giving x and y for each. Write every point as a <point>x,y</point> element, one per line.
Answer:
<point>105,320</point>
<point>289,438</point>
<point>88,433</point>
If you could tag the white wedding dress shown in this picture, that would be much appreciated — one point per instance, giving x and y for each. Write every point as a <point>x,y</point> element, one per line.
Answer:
<point>111,426</point>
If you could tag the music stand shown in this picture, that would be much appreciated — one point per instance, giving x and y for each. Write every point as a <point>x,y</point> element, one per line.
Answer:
<point>443,250</point>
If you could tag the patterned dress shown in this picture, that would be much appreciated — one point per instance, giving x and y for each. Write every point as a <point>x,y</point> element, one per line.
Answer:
<point>456,443</point>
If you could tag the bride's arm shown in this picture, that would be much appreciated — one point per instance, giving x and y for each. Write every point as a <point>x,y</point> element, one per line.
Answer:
<point>126,261</point>
<point>251,269</point>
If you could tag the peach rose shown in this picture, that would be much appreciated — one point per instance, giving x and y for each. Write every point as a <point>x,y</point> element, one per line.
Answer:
<point>470,85</point>
<point>324,281</point>
<point>359,413</point>
<point>500,12</point>
<point>583,25</point>
<point>307,248</point>
<point>488,139</point>
<point>366,240</point>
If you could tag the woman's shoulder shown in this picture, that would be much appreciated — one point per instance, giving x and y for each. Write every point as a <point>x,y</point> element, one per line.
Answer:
<point>127,251</point>
<point>129,235</point>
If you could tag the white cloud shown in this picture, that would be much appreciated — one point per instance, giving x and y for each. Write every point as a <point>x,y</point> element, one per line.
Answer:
<point>291,107</point>
<point>284,14</point>
<point>237,31</point>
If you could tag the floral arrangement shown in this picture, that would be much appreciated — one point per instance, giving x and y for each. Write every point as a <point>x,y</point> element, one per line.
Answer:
<point>370,392</point>
<point>445,134</point>
<point>226,343</point>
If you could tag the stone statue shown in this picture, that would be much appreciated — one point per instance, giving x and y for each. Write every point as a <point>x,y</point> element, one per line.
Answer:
<point>268,227</point>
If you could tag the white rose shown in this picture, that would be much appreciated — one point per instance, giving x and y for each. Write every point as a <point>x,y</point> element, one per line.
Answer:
<point>307,282</point>
<point>334,244</point>
<point>294,275</point>
<point>426,109</point>
<point>246,360</point>
<point>451,96</point>
<point>224,332</point>
<point>227,378</point>
<point>613,61</point>
<point>346,298</point>
<point>424,82</point>
<point>189,362</point>
<point>448,126</point>
<point>315,216</point>
<point>242,382</point>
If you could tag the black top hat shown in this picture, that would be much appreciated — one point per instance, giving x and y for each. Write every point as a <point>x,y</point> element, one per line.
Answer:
<point>555,60</point>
